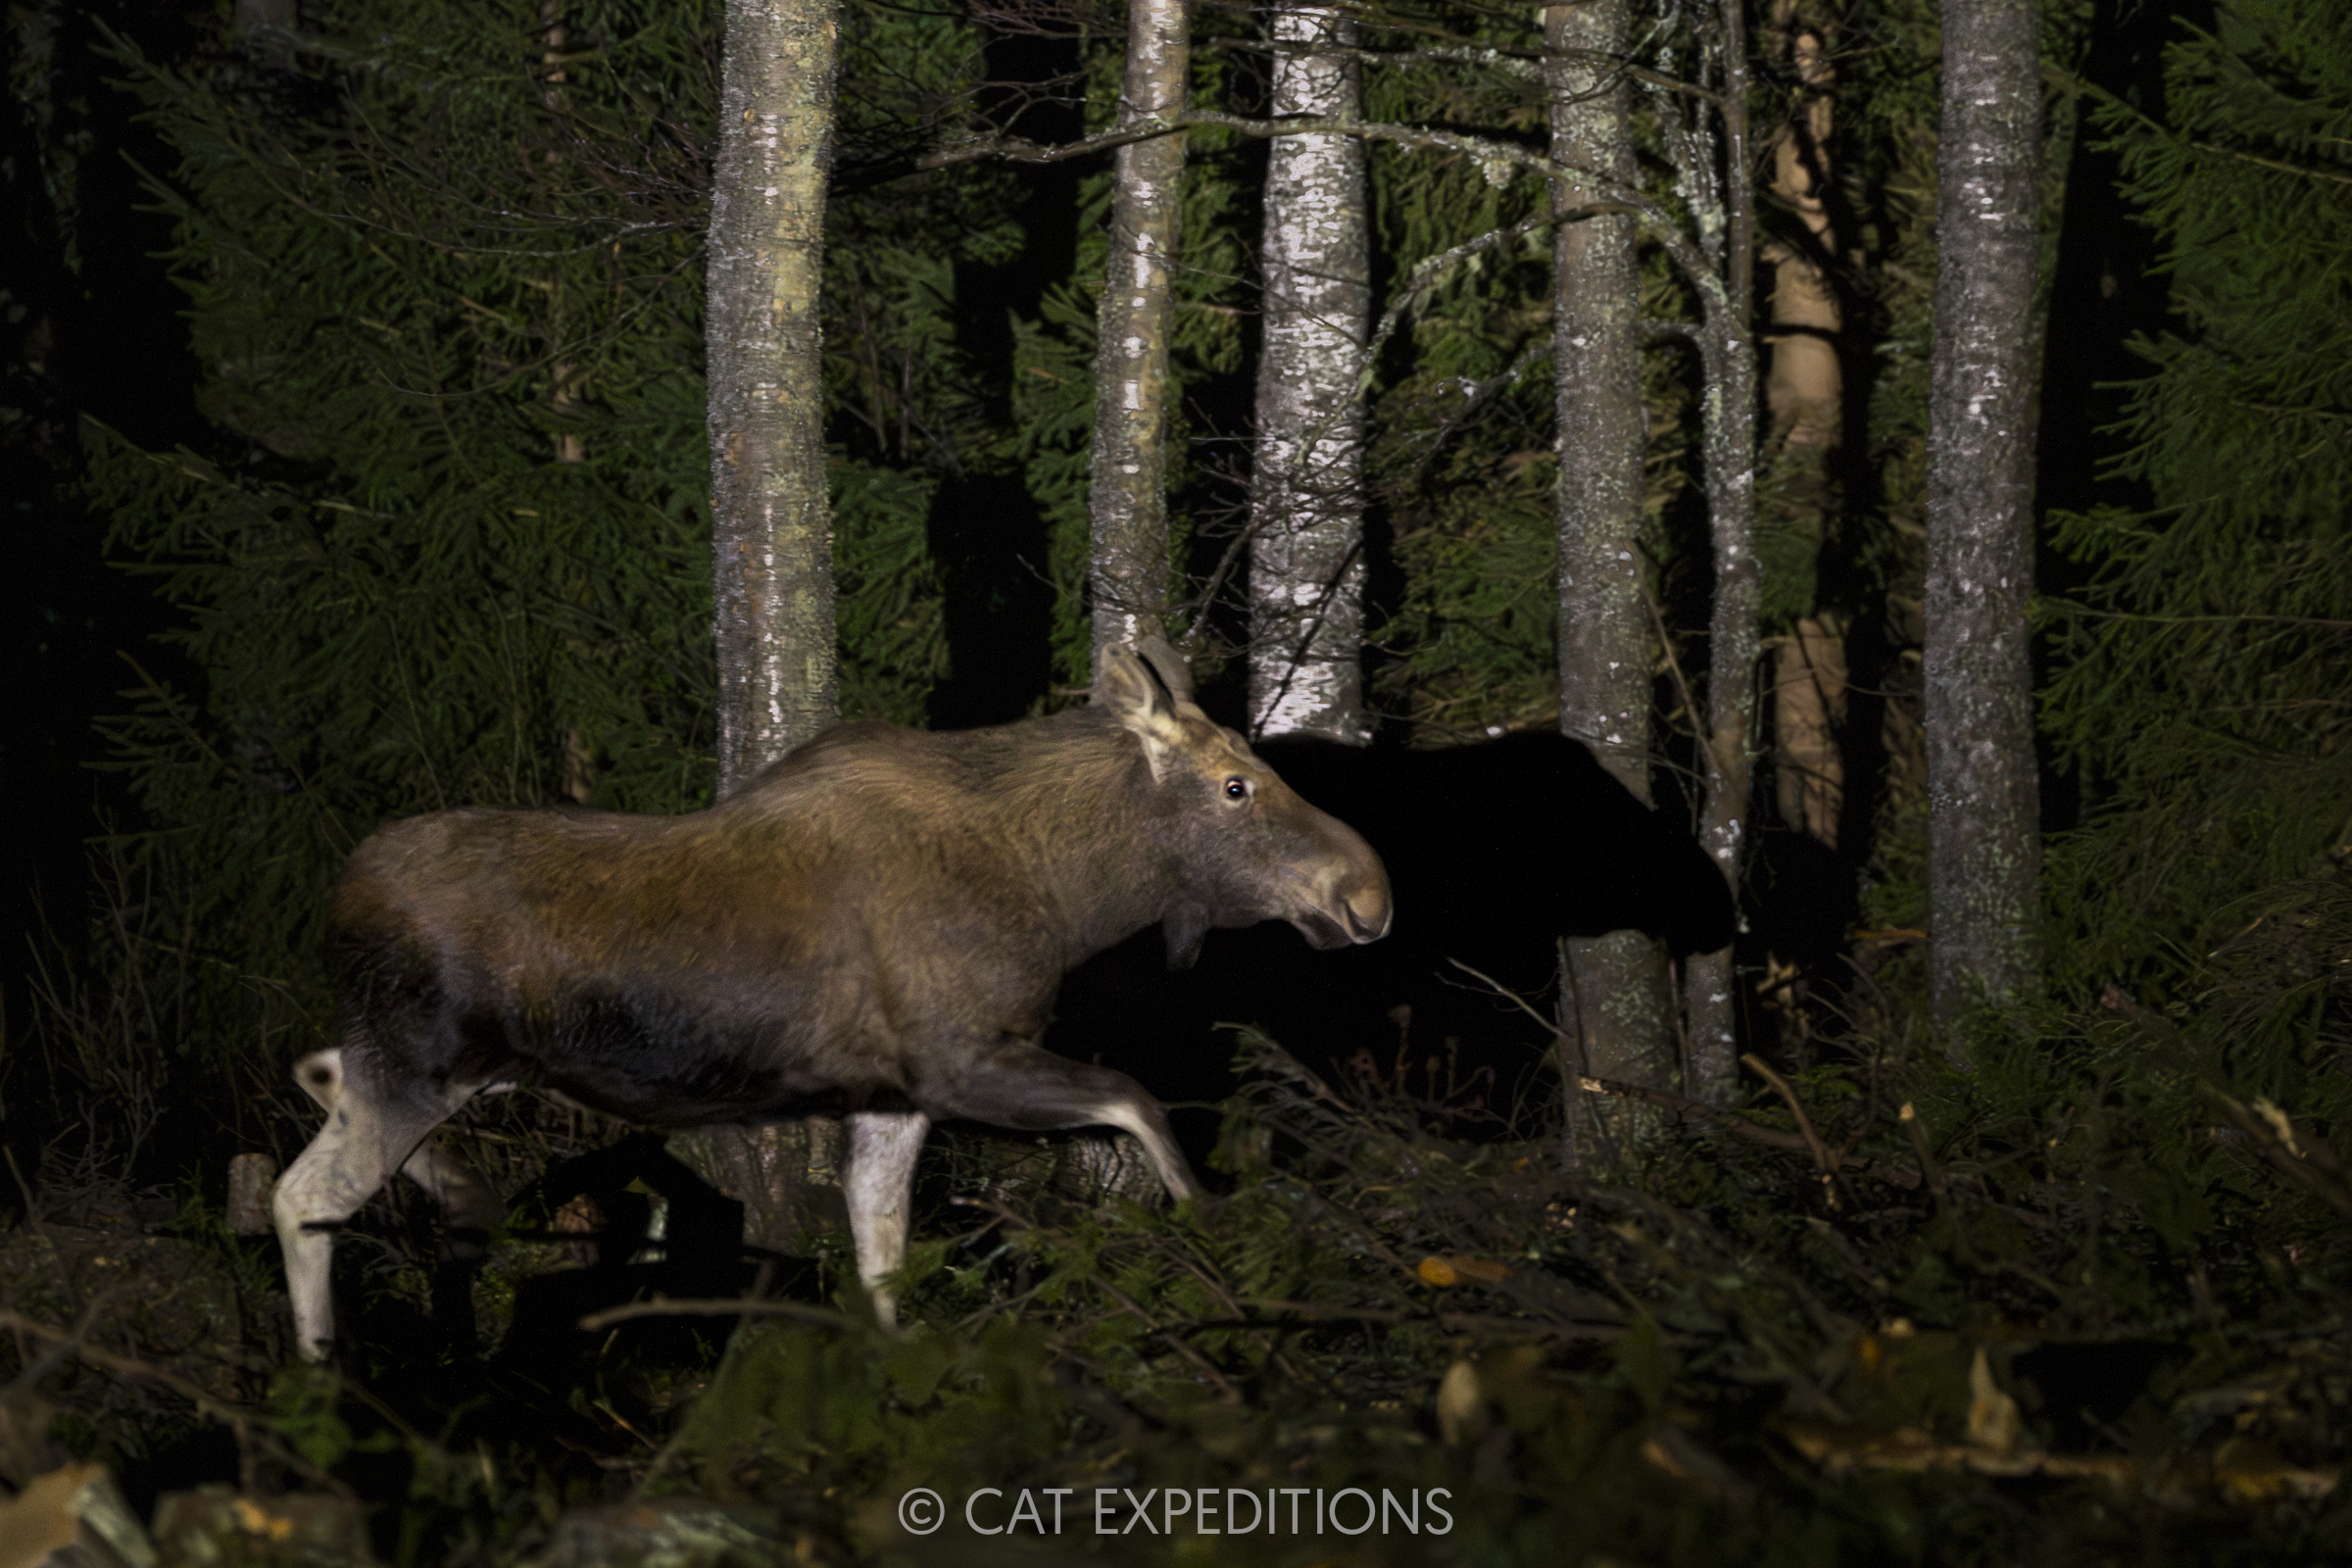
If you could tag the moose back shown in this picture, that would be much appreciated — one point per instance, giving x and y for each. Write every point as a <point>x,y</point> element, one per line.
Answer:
<point>877,924</point>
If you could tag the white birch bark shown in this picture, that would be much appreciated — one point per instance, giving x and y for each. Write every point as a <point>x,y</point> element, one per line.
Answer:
<point>1984,791</point>
<point>1710,1002</point>
<point>1307,564</point>
<point>1127,487</point>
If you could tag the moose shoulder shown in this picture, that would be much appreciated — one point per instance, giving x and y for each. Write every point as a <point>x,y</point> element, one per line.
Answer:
<point>877,924</point>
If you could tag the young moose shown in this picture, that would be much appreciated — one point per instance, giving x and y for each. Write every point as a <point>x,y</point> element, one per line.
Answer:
<point>877,923</point>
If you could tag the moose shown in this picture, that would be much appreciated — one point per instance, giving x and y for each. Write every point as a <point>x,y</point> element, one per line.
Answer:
<point>877,924</point>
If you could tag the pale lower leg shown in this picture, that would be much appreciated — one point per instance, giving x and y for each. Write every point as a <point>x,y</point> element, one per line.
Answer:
<point>879,1183</point>
<point>361,1145</point>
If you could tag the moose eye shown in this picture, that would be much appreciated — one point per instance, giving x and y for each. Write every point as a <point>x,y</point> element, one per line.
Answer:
<point>1237,790</point>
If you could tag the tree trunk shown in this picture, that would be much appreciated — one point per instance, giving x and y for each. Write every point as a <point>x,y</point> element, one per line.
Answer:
<point>1615,1000</point>
<point>1808,692</point>
<point>1307,564</point>
<point>1984,792</point>
<point>1710,998</point>
<point>1804,391</point>
<point>1127,488</point>
<point>771,524</point>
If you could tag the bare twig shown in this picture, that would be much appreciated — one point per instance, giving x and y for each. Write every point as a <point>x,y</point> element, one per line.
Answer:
<point>246,1423</point>
<point>1804,1123</point>
<point>1927,1161</point>
<point>1174,1341</point>
<point>1884,1170</point>
<point>722,1307</point>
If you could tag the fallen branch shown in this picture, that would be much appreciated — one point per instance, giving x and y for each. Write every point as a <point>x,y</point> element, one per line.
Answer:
<point>1842,1450</point>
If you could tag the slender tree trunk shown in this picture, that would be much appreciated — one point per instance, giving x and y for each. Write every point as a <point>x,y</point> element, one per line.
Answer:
<point>1306,563</point>
<point>1808,692</point>
<point>1805,385</point>
<point>1984,792</point>
<point>1615,999</point>
<point>1127,490</point>
<point>771,524</point>
<point>1710,1000</point>
<point>1804,391</point>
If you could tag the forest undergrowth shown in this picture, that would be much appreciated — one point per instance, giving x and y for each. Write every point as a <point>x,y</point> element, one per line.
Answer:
<point>2083,1302</point>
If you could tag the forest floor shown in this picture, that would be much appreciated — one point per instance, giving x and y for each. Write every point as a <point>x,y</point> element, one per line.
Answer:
<point>1926,1317</point>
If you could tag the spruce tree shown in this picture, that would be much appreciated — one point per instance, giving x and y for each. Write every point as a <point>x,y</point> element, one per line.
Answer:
<point>2199,682</point>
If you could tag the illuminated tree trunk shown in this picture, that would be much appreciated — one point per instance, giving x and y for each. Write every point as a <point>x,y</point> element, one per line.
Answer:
<point>771,524</point>
<point>1616,1003</point>
<point>1727,350</point>
<point>1307,564</point>
<point>1983,794</point>
<point>1127,488</point>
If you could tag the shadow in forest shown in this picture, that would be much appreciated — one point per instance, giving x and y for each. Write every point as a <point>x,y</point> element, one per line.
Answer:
<point>1493,851</point>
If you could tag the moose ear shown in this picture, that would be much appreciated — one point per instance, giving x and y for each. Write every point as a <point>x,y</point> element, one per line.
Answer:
<point>1135,694</point>
<point>1170,666</point>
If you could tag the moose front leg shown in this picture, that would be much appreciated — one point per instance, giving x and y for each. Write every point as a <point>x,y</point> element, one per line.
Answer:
<point>369,1132</point>
<point>1028,1088</point>
<point>878,1181</point>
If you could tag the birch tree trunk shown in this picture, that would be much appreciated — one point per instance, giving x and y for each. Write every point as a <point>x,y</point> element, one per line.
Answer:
<point>1710,1002</point>
<point>1615,999</point>
<point>771,522</point>
<point>1983,792</point>
<point>1306,563</point>
<point>1127,489</point>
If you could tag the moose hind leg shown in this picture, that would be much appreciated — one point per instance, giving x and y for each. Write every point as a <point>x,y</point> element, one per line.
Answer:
<point>368,1135</point>
<point>1027,1087</point>
<point>879,1177</point>
<point>470,1208</point>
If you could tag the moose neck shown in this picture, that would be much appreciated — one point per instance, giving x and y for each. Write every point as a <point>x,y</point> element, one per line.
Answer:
<point>1084,809</point>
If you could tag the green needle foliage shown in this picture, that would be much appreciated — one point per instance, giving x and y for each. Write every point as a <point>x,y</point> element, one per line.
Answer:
<point>2202,680</point>
<point>453,547</point>
<point>450,549</point>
